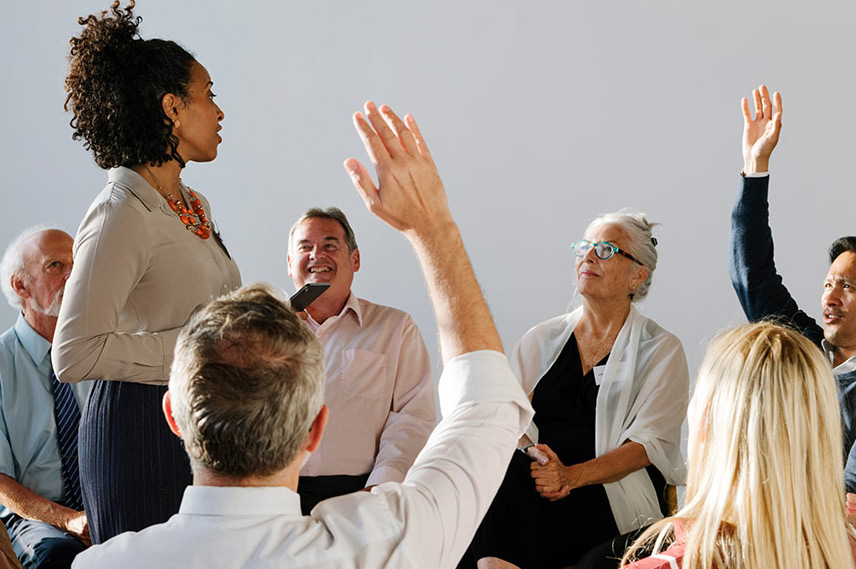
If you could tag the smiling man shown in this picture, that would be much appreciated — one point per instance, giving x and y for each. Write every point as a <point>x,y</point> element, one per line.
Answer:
<point>759,286</point>
<point>379,387</point>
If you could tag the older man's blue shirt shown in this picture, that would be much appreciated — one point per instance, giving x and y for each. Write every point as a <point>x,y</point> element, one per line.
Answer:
<point>28,435</point>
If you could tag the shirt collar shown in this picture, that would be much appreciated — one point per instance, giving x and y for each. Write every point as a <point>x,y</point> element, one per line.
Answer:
<point>36,346</point>
<point>139,187</point>
<point>240,501</point>
<point>846,366</point>
<point>352,305</point>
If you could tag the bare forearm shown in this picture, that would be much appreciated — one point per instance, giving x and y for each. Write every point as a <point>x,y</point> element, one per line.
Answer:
<point>28,504</point>
<point>463,318</point>
<point>610,467</point>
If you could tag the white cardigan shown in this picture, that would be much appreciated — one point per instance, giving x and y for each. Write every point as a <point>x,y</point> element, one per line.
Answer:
<point>642,397</point>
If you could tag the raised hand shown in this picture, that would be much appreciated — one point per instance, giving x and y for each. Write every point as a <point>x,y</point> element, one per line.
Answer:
<point>409,195</point>
<point>761,134</point>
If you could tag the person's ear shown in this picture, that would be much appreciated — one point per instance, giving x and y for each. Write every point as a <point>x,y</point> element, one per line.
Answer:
<point>170,104</point>
<point>317,429</point>
<point>19,286</point>
<point>167,412</point>
<point>355,260</point>
<point>288,264</point>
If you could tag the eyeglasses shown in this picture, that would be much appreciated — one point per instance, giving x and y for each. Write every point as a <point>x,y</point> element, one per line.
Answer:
<point>604,250</point>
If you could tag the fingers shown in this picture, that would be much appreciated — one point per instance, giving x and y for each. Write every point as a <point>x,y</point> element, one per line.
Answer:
<point>362,180</point>
<point>766,111</point>
<point>417,135</point>
<point>777,104</point>
<point>405,137</point>
<point>389,139</point>
<point>747,115</point>
<point>374,147</point>
<point>757,96</point>
<point>548,452</point>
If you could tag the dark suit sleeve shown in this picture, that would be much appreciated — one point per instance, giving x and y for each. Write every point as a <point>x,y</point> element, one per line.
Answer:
<point>753,272</point>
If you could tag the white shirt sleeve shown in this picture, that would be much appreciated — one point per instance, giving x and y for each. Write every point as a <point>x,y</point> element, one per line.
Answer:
<point>453,481</point>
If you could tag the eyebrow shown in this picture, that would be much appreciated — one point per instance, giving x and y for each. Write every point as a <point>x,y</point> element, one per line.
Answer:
<point>328,238</point>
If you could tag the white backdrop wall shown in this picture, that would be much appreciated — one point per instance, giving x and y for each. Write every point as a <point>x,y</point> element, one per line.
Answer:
<point>539,114</point>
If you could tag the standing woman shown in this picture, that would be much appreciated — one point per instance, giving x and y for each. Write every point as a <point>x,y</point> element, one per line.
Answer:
<point>146,255</point>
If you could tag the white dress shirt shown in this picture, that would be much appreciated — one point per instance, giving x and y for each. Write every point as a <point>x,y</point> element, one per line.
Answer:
<point>380,392</point>
<point>426,521</point>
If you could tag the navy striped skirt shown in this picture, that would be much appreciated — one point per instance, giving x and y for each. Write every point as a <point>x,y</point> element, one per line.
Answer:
<point>133,469</point>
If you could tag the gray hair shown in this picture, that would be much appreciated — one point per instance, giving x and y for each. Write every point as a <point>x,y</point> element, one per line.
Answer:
<point>641,243</point>
<point>246,384</point>
<point>13,263</point>
<point>333,213</point>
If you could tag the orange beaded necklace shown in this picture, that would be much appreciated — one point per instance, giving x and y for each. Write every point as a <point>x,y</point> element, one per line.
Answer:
<point>193,219</point>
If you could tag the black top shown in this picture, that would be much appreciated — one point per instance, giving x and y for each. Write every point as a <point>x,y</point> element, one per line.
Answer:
<point>565,401</point>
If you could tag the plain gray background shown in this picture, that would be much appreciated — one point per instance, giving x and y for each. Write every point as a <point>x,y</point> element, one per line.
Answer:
<point>540,115</point>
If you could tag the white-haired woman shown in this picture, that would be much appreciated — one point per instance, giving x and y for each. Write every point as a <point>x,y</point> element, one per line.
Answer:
<point>610,388</point>
<point>765,485</point>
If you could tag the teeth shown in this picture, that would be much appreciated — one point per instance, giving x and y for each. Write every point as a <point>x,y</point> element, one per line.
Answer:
<point>319,269</point>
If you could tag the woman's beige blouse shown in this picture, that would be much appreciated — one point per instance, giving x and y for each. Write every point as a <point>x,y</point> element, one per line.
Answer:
<point>138,275</point>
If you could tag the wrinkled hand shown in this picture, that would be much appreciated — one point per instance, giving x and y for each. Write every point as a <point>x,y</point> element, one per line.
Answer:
<point>409,195</point>
<point>760,135</point>
<point>553,480</point>
<point>79,526</point>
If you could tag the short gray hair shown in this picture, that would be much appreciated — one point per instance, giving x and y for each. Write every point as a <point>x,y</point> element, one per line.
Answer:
<point>641,243</point>
<point>246,384</point>
<point>333,213</point>
<point>13,263</point>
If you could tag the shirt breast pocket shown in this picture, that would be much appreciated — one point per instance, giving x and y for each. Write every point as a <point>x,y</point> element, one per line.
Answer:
<point>364,373</point>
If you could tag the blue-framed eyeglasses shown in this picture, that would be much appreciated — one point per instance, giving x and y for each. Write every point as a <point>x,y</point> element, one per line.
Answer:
<point>604,250</point>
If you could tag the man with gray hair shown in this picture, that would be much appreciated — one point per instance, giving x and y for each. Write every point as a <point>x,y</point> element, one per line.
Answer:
<point>39,482</point>
<point>379,388</point>
<point>246,396</point>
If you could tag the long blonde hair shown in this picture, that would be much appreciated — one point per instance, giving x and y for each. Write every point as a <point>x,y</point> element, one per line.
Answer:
<point>766,483</point>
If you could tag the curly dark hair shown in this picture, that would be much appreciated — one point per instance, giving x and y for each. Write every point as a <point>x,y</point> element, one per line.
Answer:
<point>115,86</point>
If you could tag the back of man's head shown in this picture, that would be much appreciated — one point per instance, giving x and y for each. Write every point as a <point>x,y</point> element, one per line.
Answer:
<point>842,245</point>
<point>246,384</point>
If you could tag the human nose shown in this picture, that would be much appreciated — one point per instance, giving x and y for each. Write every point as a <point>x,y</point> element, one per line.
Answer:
<point>831,296</point>
<point>220,114</point>
<point>590,255</point>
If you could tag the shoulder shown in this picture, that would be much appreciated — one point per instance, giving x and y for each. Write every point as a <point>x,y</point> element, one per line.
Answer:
<point>655,335</point>
<point>8,338</point>
<point>548,331</point>
<point>669,559</point>
<point>129,550</point>
<point>376,313</point>
<point>116,206</point>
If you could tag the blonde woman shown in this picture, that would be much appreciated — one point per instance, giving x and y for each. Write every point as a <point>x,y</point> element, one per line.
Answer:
<point>765,485</point>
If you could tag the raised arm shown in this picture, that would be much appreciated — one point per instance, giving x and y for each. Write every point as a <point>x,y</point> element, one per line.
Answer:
<point>452,483</point>
<point>410,198</point>
<point>753,272</point>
